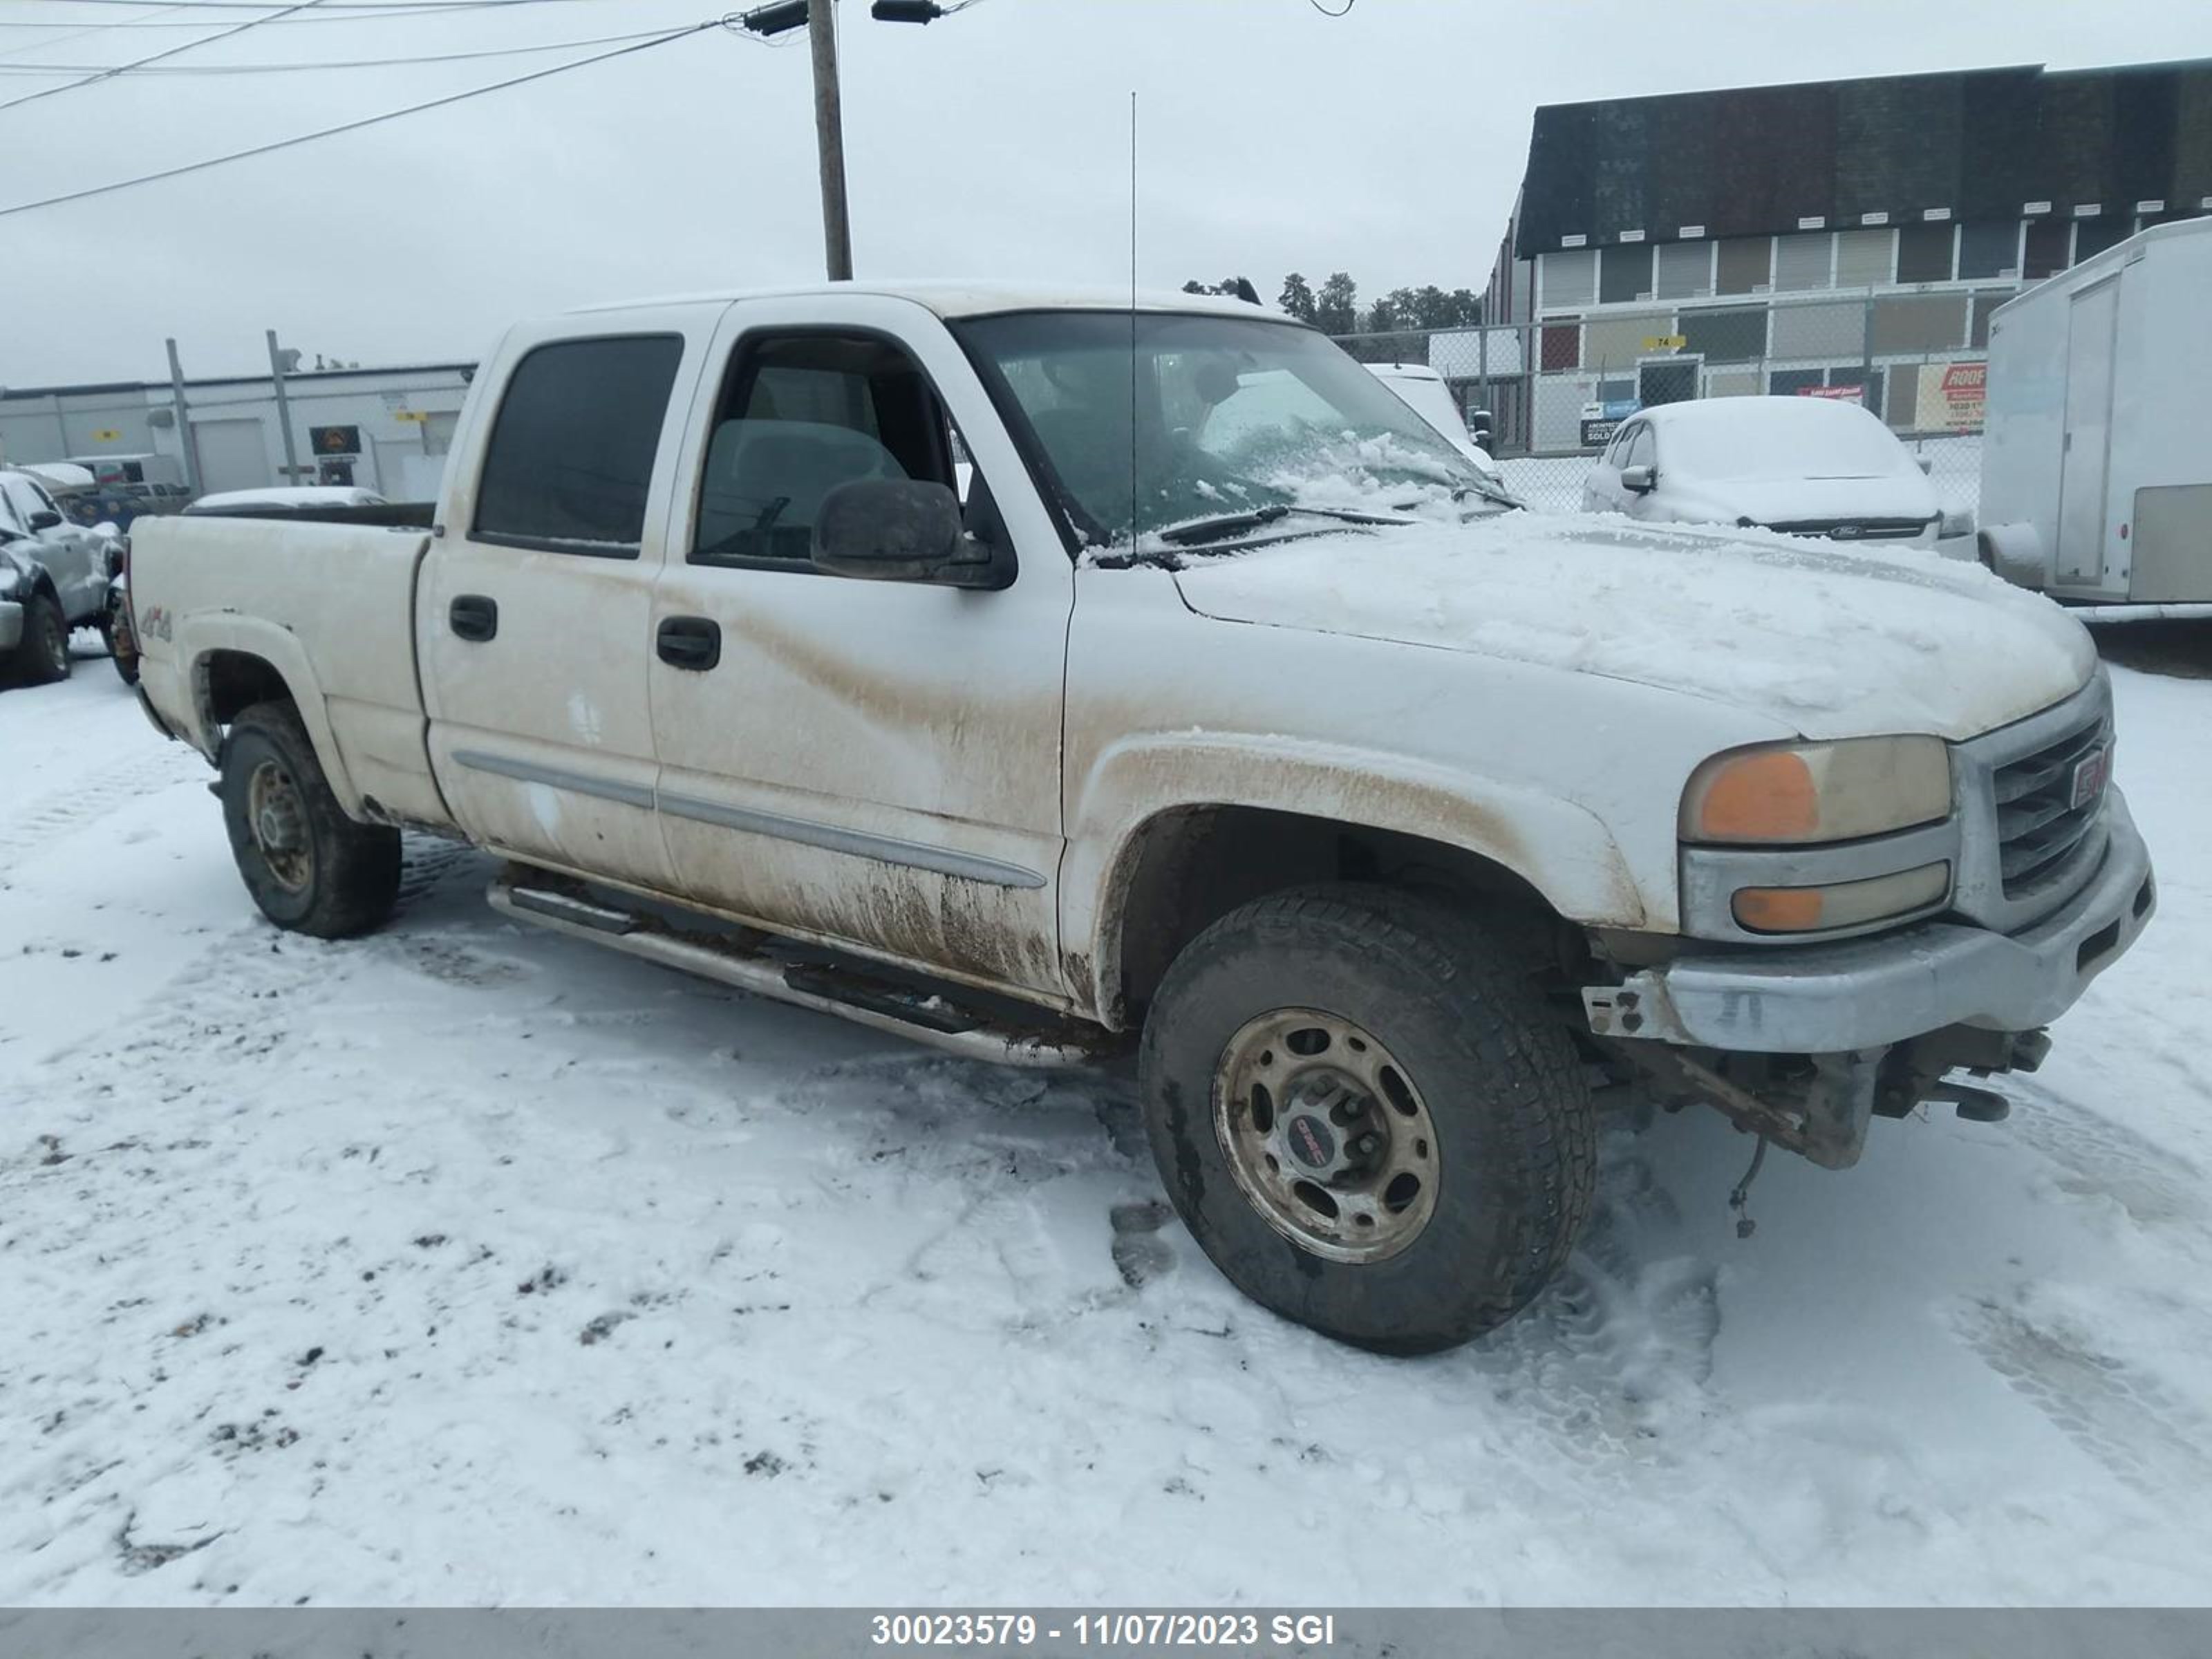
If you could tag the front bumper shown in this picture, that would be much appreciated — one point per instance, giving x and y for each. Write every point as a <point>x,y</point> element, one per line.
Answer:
<point>11,624</point>
<point>1867,993</point>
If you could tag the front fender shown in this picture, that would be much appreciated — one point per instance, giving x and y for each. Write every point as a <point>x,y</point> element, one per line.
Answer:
<point>1560,849</point>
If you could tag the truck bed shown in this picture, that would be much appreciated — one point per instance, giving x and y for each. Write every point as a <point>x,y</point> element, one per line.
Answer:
<point>330,606</point>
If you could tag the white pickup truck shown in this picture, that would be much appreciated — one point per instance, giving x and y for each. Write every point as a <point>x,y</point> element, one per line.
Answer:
<point>1232,715</point>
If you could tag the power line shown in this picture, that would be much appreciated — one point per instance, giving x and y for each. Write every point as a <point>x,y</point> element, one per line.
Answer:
<point>357,12</point>
<point>332,63</point>
<point>154,58</point>
<point>1326,12</point>
<point>74,34</point>
<point>353,126</point>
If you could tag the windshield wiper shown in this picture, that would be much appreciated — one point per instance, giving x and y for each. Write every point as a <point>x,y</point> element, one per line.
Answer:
<point>1488,494</point>
<point>1258,517</point>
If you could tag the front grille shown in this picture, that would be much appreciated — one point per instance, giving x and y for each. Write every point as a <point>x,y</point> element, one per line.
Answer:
<point>2038,823</point>
<point>1862,530</point>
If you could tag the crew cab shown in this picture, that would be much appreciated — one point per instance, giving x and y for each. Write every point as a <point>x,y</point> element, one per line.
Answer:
<point>1228,714</point>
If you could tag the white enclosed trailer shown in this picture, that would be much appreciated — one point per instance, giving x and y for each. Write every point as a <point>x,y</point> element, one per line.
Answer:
<point>2096,474</point>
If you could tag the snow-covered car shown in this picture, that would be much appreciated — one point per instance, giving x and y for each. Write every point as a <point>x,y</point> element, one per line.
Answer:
<point>53,578</point>
<point>1424,392</point>
<point>1805,466</point>
<point>282,498</point>
<point>1243,723</point>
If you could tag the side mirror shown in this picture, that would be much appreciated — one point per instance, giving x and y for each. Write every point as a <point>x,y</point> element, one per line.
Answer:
<point>45,519</point>
<point>1638,480</point>
<point>1925,463</point>
<point>896,530</point>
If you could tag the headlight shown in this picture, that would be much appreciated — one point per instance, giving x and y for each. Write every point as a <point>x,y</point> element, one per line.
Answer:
<point>1797,793</point>
<point>1955,524</point>
<point>1839,904</point>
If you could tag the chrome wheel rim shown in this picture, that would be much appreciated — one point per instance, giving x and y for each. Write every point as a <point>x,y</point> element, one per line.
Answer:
<point>57,646</point>
<point>278,818</point>
<point>1327,1136</point>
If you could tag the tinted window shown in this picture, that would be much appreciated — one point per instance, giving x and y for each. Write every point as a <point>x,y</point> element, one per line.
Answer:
<point>800,415</point>
<point>571,454</point>
<point>1641,451</point>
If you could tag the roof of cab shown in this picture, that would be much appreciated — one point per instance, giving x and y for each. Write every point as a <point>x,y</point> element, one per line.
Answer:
<point>972,299</point>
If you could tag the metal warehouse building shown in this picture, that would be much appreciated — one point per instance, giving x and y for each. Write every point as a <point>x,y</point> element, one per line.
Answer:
<point>386,430</point>
<point>1845,238</point>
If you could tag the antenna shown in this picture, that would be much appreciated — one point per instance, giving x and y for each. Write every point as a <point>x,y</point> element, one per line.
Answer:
<point>1133,317</point>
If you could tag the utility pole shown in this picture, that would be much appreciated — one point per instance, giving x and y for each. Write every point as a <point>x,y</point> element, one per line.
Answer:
<point>184,421</point>
<point>284,411</point>
<point>818,16</point>
<point>830,138</point>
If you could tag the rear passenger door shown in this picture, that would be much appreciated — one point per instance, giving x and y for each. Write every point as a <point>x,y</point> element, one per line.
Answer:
<point>533,618</point>
<point>872,762</point>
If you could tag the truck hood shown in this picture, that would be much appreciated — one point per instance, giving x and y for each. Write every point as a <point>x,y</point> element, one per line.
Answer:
<point>1827,642</point>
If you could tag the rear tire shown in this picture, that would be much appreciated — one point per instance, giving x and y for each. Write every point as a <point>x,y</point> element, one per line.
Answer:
<point>1366,1116</point>
<point>43,658</point>
<point>310,869</point>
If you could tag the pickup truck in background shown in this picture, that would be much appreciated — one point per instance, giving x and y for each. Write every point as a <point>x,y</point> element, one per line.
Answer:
<point>1227,713</point>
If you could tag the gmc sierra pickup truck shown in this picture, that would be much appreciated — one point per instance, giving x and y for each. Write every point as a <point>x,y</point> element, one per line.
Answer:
<point>1215,707</point>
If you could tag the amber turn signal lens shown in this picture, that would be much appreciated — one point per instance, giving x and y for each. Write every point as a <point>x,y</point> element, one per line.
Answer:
<point>1763,797</point>
<point>1840,904</point>
<point>1779,909</point>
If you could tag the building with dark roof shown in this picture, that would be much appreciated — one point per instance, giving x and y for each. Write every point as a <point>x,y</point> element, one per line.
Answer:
<point>1849,237</point>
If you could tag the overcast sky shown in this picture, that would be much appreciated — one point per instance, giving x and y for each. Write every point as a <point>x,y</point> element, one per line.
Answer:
<point>1387,143</point>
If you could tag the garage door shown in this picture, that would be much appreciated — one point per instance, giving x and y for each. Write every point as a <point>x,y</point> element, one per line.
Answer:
<point>233,454</point>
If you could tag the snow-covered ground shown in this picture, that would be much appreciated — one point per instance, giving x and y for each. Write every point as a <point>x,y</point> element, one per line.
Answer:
<point>461,1265</point>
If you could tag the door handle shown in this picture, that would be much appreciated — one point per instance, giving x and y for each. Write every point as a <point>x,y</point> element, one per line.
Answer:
<point>692,643</point>
<point>473,617</point>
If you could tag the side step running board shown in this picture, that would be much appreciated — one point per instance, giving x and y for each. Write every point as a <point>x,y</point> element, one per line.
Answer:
<point>752,962</point>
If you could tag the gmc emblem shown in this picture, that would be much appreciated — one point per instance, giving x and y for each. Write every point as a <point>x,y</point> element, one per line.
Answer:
<point>2091,774</point>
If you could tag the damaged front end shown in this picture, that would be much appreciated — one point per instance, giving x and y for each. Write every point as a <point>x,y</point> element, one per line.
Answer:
<point>1819,1105</point>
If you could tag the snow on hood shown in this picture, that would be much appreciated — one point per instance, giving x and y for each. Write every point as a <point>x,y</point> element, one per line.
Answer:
<point>1794,500</point>
<point>1831,643</point>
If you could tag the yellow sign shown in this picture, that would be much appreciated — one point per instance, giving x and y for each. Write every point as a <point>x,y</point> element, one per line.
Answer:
<point>415,414</point>
<point>1665,342</point>
<point>107,435</point>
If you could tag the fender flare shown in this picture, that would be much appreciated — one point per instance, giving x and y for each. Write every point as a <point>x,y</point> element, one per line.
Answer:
<point>199,637</point>
<point>1561,849</point>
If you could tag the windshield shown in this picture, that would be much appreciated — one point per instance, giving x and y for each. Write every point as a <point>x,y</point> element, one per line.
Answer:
<point>1759,439</point>
<point>1234,416</point>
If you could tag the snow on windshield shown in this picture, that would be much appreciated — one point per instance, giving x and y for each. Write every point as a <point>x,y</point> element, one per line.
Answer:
<point>1744,439</point>
<point>1231,416</point>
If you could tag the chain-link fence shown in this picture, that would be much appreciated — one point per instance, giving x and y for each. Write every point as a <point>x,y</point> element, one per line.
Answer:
<point>1555,389</point>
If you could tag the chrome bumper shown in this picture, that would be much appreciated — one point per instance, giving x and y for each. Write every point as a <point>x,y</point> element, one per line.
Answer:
<point>11,624</point>
<point>1867,993</point>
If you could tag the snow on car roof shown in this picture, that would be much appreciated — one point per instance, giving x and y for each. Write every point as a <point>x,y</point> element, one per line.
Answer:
<point>56,474</point>
<point>976,299</point>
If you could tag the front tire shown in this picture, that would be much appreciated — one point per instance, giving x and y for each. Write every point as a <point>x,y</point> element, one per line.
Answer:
<point>44,654</point>
<point>1366,1116</point>
<point>310,869</point>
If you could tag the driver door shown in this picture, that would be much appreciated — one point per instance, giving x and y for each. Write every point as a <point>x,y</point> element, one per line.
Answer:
<point>873,763</point>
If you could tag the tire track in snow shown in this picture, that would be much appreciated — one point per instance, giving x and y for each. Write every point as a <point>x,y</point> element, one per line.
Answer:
<point>1619,1349</point>
<point>2098,1157</point>
<point>68,811</point>
<point>2129,1422</point>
